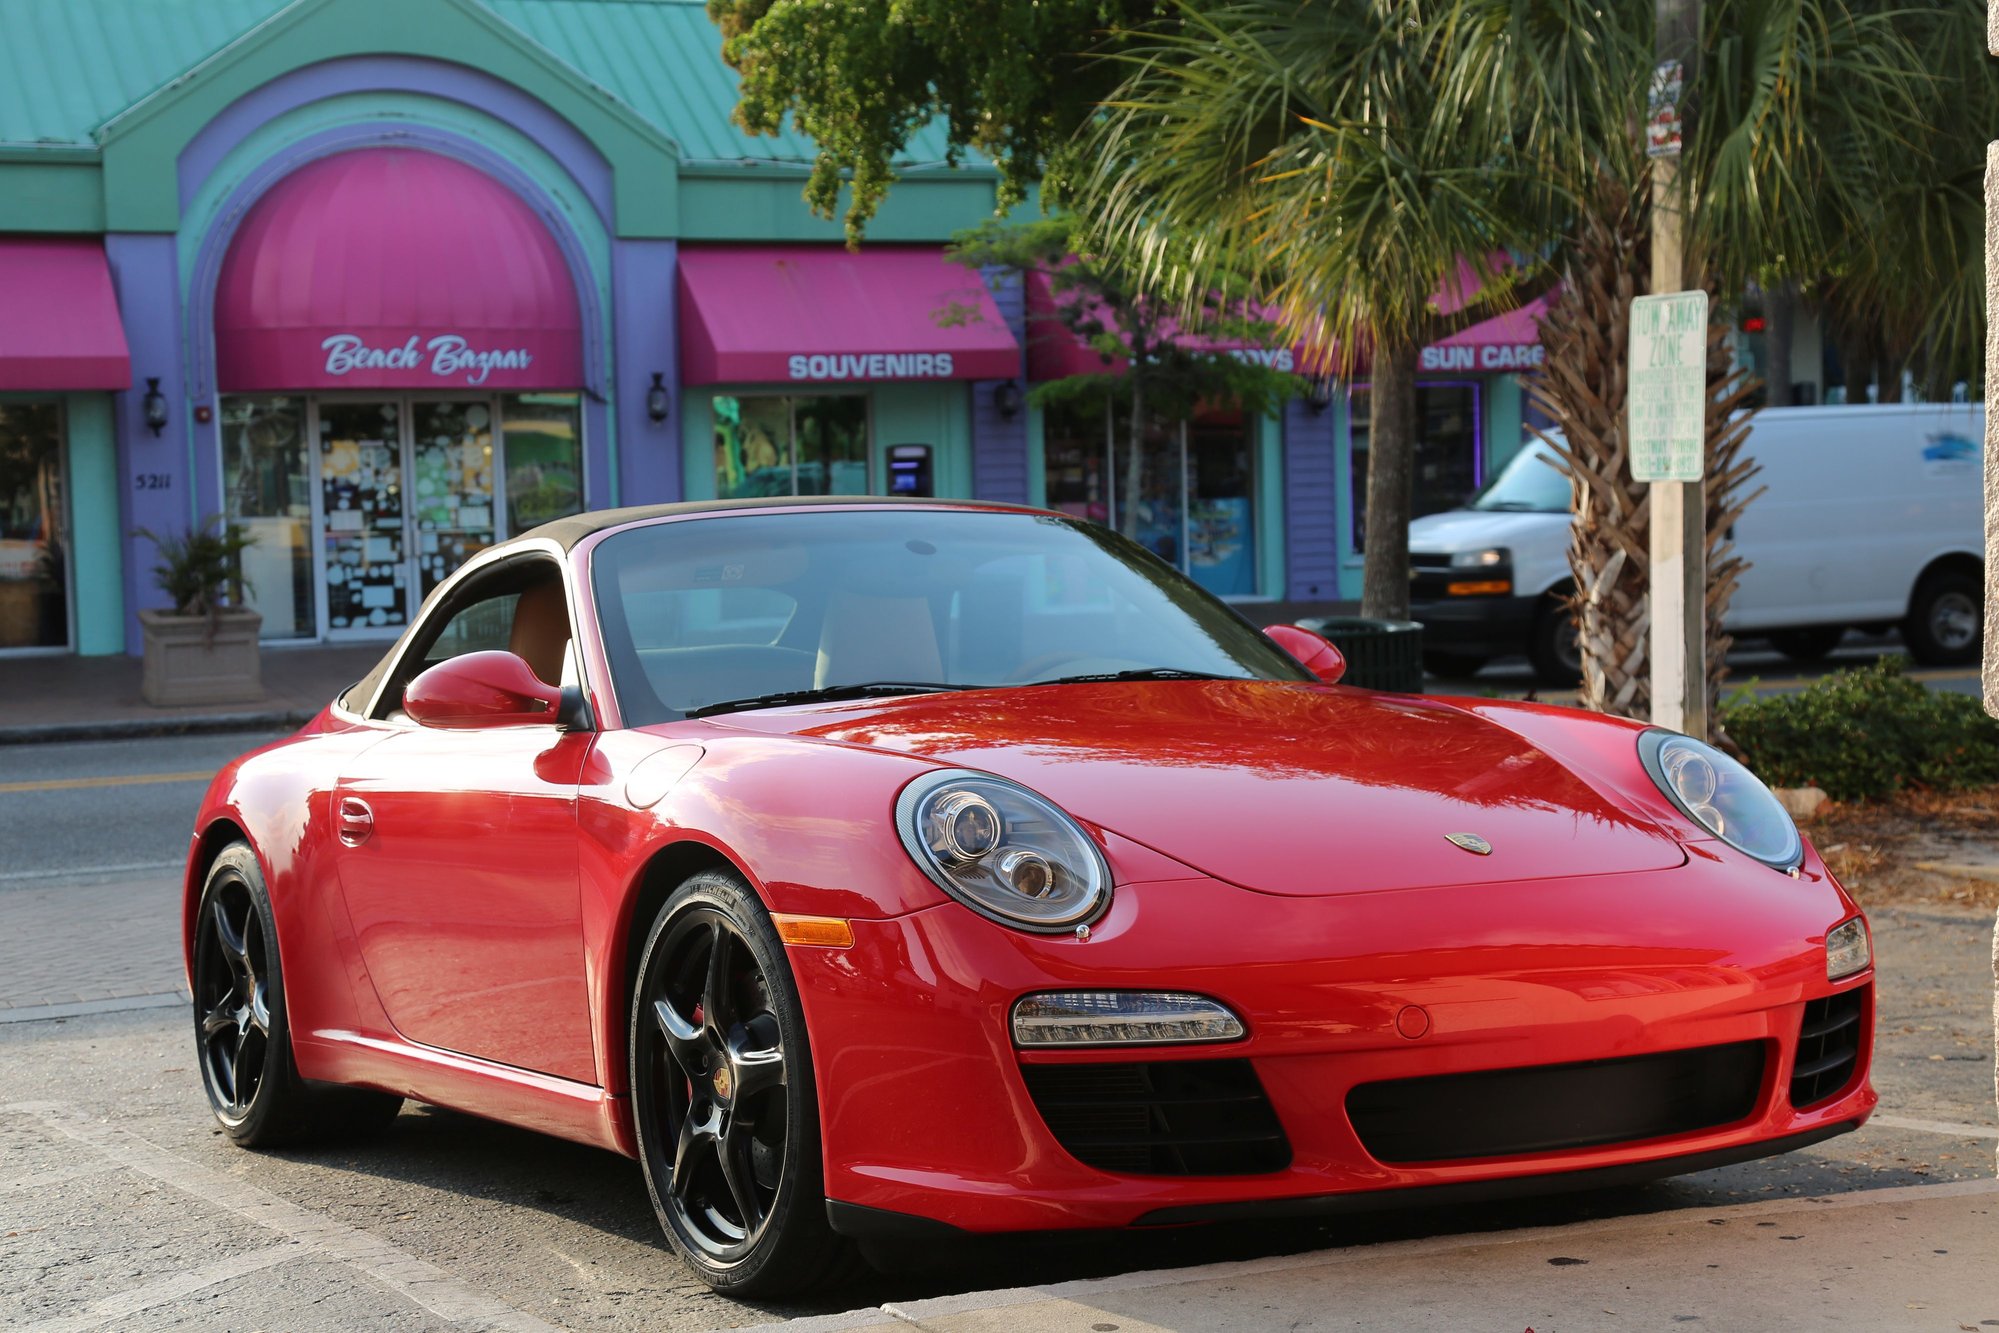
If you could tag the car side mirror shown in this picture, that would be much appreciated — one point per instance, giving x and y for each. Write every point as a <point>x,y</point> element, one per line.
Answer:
<point>1313,651</point>
<point>478,690</point>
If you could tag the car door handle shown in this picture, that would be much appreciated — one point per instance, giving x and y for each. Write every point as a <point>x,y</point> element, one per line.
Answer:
<point>354,820</point>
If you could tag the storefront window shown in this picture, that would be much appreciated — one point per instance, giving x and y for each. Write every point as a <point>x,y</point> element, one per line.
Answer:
<point>1448,468</point>
<point>784,445</point>
<point>1195,506</point>
<point>543,437</point>
<point>267,490</point>
<point>34,538</point>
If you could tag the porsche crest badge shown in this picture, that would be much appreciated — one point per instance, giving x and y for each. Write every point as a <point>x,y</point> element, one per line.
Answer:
<point>1472,843</point>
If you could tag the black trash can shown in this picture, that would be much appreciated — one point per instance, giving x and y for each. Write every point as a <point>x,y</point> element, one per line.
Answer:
<point>1381,654</point>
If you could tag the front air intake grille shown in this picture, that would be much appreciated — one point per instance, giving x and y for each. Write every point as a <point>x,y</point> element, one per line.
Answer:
<point>1828,1047</point>
<point>1161,1117</point>
<point>1551,1108</point>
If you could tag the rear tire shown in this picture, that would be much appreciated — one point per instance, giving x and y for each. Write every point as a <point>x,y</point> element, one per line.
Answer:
<point>1945,626</point>
<point>724,1100</point>
<point>1810,644</point>
<point>1553,646</point>
<point>242,1031</point>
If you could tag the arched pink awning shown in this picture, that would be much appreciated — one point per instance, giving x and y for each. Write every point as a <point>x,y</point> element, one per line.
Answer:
<point>395,268</point>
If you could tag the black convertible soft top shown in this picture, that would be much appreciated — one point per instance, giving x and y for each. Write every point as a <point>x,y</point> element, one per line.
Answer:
<point>567,532</point>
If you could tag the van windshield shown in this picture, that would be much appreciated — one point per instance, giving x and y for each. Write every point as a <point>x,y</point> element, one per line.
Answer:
<point>1529,484</point>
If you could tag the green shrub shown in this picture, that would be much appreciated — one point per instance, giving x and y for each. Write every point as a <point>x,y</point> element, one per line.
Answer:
<point>1866,733</point>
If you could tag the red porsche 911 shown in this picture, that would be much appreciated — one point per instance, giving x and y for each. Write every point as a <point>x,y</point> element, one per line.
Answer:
<point>877,869</point>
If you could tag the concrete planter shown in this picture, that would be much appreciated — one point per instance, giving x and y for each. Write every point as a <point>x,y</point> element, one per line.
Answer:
<point>186,665</point>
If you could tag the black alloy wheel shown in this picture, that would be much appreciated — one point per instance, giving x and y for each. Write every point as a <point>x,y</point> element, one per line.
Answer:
<point>1554,646</point>
<point>1945,625</point>
<point>232,998</point>
<point>242,1034</point>
<point>722,1096</point>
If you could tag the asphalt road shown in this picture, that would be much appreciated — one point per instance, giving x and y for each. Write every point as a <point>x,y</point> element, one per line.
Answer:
<point>121,1206</point>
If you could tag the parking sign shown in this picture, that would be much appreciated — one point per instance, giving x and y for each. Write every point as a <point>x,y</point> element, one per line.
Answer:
<point>1668,379</point>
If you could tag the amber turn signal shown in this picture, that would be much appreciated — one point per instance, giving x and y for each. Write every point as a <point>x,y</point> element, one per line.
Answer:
<point>829,932</point>
<point>1481,588</point>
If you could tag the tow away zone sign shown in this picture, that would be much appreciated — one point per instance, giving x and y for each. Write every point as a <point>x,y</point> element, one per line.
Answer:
<point>1668,378</point>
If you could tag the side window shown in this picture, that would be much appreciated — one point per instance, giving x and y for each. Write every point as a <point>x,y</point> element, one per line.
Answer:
<point>516,609</point>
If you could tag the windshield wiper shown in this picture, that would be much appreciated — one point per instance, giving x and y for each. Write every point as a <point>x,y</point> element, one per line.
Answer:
<point>873,689</point>
<point>1141,673</point>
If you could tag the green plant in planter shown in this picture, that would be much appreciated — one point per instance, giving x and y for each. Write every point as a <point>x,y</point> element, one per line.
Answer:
<point>202,569</point>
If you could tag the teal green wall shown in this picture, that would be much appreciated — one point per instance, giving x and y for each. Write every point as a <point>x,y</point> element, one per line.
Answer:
<point>55,192</point>
<point>96,543</point>
<point>141,146</point>
<point>937,414</point>
<point>758,204</point>
<point>1037,458</point>
<point>1269,505</point>
<point>1503,399</point>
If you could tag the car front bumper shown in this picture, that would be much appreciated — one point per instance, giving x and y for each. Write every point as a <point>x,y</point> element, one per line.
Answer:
<point>926,1111</point>
<point>1476,626</point>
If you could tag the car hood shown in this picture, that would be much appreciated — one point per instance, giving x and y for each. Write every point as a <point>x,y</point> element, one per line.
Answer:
<point>1474,529</point>
<point>1286,788</point>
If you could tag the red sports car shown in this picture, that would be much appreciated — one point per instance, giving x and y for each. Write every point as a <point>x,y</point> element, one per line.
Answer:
<point>876,869</point>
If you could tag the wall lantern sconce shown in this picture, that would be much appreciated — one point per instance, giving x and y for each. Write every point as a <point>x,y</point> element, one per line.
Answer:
<point>1319,396</point>
<point>657,398</point>
<point>1006,399</point>
<point>155,405</point>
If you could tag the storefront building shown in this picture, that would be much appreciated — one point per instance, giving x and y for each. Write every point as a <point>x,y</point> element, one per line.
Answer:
<point>385,281</point>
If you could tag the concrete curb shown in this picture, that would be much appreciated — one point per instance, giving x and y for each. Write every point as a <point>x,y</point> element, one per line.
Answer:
<point>140,727</point>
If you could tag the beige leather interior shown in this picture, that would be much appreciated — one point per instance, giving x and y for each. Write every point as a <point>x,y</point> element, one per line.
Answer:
<point>876,638</point>
<point>541,630</point>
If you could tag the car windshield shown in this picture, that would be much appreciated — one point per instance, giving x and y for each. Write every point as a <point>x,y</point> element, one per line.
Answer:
<point>756,610</point>
<point>1529,484</point>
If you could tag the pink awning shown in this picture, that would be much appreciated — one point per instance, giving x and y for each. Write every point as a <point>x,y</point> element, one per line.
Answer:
<point>394,268</point>
<point>818,313</point>
<point>1054,353</point>
<point>59,325</point>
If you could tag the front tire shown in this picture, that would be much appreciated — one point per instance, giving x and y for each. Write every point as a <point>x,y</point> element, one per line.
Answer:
<point>242,1031</point>
<point>1946,620</point>
<point>723,1096</point>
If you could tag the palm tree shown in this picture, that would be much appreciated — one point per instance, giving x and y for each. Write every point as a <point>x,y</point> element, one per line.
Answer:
<point>1805,113</point>
<point>1357,161</point>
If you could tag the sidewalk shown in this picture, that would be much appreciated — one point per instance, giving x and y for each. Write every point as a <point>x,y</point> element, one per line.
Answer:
<point>1916,1257</point>
<point>83,698</point>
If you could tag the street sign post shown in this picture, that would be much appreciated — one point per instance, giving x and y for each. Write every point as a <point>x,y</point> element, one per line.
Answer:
<point>1667,430</point>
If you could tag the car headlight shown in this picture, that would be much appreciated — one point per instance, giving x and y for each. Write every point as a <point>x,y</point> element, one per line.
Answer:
<point>1722,797</point>
<point>1003,851</point>
<point>1486,559</point>
<point>1847,950</point>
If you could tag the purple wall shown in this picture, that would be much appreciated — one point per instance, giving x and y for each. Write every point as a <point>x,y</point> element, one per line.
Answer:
<point>157,488</point>
<point>999,445</point>
<point>1311,503</point>
<point>645,341</point>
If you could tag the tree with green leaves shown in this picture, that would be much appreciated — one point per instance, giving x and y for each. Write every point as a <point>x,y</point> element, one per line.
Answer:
<point>1011,79</point>
<point>1151,371</point>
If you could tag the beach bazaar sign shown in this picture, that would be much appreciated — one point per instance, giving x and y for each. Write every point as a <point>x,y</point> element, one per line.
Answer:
<point>1484,356</point>
<point>447,356</point>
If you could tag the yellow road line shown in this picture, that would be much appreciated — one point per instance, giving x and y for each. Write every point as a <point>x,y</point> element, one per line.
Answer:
<point>125,780</point>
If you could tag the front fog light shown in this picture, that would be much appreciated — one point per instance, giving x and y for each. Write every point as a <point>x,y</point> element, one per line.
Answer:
<point>1121,1018</point>
<point>1846,950</point>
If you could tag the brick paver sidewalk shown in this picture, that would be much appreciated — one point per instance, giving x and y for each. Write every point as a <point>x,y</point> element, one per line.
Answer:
<point>88,944</point>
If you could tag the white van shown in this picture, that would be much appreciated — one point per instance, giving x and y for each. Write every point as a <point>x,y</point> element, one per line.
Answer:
<point>1873,518</point>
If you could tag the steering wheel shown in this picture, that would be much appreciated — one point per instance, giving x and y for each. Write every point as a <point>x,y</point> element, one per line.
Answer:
<point>1077,664</point>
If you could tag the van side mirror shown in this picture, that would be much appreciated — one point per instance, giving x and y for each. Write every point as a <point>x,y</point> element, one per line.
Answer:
<point>479,690</point>
<point>1314,651</point>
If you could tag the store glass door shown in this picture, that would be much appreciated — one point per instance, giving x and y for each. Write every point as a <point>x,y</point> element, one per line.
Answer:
<point>452,469</point>
<point>34,544</point>
<point>363,521</point>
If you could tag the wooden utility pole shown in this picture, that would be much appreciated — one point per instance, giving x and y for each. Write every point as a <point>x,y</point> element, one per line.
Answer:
<point>1678,530</point>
